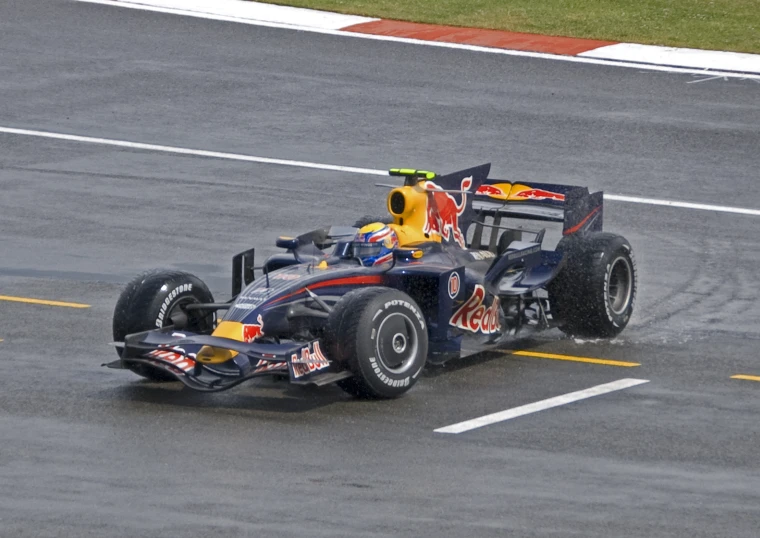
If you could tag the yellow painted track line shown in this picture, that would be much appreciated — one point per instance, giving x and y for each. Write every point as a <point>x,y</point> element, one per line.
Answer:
<point>41,301</point>
<point>574,359</point>
<point>747,377</point>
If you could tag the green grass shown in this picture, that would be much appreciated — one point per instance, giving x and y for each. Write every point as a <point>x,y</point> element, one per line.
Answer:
<point>707,24</point>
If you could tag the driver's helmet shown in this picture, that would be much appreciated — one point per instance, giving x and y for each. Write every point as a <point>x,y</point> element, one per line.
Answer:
<point>374,243</point>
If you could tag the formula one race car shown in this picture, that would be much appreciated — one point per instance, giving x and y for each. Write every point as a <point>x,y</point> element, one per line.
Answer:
<point>368,306</point>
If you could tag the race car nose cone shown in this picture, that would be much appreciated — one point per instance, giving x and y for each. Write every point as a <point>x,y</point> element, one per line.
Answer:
<point>215,355</point>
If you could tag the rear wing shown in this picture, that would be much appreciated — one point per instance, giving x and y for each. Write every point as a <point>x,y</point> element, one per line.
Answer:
<point>576,208</point>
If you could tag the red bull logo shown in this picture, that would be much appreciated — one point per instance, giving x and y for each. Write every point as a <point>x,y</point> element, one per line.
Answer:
<point>490,190</point>
<point>178,360</point>
<point>537,194</point>
<point>443,212</point>
<point>310,361</point>
<point>476,317</point>
<point>253,331</point>
<point>268,366</point>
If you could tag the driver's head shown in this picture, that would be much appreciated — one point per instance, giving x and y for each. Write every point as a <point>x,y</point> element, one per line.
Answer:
<point>374,243</point>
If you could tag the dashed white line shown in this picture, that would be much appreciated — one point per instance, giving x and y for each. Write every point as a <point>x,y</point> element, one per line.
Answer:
<point>330,167</point>
<point>557,401</point>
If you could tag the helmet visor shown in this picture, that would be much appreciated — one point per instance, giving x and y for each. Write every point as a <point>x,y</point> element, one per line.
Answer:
<point>367,250</point>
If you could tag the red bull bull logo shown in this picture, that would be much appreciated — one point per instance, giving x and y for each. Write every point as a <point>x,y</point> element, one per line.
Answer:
<point>443,212</point>
<point>490,190</point>
<point>537,194</point>
<point>253,331</point>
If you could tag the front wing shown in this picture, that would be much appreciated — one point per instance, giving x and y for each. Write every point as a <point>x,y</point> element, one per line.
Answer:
<point>175,353</point>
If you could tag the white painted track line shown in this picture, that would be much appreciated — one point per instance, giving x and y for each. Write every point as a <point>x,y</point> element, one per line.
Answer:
<point>298,24</point>
<point>195,152</point>
<point>331,167</point>
<point>684,205</point>
<point>253,13</point>
<point>542,405</point>
<point>694,58</point>
<point>260,12</point>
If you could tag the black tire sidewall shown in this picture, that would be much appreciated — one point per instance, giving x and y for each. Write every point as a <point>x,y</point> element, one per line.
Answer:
<point>147,301</point>
<point>352,340</point>
<point>618,321</point>
<point>579,295</point>
<point>176,293</point>
<point>374,372</point>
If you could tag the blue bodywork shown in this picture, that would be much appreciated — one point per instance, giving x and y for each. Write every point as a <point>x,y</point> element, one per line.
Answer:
<point>472,298</point>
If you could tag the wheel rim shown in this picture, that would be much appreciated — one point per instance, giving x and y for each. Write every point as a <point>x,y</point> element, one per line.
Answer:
<point>193,323</point>
<point>619,285</point>
<point>396,343</point>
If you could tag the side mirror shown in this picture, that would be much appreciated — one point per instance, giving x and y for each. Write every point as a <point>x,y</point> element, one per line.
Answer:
<point>287,242</point>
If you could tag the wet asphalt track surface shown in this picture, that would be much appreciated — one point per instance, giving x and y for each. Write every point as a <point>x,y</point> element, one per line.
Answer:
<point>86,451</point>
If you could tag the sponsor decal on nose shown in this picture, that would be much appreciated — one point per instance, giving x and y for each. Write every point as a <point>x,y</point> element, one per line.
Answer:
<point>253,331</point>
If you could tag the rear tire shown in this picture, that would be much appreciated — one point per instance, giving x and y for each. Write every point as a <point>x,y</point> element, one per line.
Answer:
<point>595,292</point>
<point>380,335</point>
<point>149,301</point>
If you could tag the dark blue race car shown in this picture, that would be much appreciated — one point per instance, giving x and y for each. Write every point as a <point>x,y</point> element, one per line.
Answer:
<point>453,270</point>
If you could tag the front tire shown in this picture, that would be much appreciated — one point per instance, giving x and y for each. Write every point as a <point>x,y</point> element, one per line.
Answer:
<point>380,334</point>
<point>150,301</point>
<point>595,292</point>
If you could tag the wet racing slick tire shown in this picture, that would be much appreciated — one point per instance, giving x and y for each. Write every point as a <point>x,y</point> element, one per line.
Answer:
<point>150,300</point>
<point>369,219</point>
<point>595,292</point>
<point>380,335</point>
